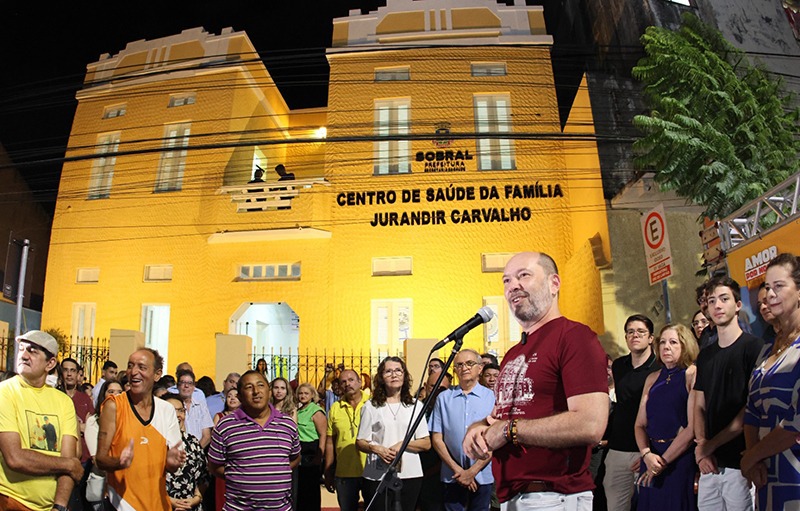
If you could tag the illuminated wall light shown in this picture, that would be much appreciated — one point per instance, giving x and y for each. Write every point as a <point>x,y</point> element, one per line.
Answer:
<point>321,132</point>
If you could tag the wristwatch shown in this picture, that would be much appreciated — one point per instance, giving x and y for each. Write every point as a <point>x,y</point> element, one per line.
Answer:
<point>59,507</point>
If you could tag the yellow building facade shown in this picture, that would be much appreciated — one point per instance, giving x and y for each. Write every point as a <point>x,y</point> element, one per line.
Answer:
<point>439,154</point>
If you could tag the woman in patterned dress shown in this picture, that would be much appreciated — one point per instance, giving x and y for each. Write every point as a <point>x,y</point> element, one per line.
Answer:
<point>185,487</point>
<point>772,419</point>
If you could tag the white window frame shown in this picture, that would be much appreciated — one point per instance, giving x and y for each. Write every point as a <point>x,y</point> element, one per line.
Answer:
<point>259,160</point>
<point>495,262</point>
<point>177,100</point>
<point>493,115</point>
<point>482,69</point>
<point>155,326</point>
<point>173,157</point>
<point>503,331</point>
<point>392,74</point>
<point>391,324</point>
<point>83,320</point>
<point>103,166</point>
<point>158,273</point>
<point>392,118</point>
<point>114,111</point>
<point>87,276</point>
<point>269,271</point>
<point>388,266</point>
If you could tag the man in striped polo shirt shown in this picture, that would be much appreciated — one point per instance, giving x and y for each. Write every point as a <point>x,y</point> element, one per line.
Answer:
<point>255,449</point>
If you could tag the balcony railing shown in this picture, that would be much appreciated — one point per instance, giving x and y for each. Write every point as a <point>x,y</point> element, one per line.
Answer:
<point>268,195</point>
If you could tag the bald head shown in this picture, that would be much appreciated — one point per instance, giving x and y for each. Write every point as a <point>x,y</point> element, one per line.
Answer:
<point>542,259</point>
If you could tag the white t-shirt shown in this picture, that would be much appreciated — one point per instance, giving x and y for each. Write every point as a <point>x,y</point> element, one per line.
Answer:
<point>90,433</point>
<point>386,426</point>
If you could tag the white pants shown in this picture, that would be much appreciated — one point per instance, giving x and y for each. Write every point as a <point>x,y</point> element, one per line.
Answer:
<point>620,481</point>
<point>549,501</point>
<point>726,491</point>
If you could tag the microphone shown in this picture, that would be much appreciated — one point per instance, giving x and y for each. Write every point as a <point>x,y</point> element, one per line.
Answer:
<point>484,315</point>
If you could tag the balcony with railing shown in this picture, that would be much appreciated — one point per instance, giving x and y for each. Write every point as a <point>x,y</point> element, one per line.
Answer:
<point>269,195</point>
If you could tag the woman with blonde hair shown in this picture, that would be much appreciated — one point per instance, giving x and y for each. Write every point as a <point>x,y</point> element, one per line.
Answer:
<point>283,398</point>
<point>664,432</point>
<point>312,428</point>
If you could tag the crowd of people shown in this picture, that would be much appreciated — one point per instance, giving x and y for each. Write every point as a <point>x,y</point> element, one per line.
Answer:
<point>693,417</point>
<point>706,417</point>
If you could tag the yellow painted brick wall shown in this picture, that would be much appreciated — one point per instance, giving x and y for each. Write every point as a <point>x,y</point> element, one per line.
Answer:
<point>136,227</point>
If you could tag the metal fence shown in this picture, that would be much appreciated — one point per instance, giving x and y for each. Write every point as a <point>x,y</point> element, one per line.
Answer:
<point>309,366</point>
<point>91,353</point>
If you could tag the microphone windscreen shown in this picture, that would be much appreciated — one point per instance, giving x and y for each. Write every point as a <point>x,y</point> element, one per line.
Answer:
<point>486,313</point>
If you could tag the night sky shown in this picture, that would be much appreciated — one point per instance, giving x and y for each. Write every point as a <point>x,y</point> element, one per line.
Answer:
<point>46,47</point>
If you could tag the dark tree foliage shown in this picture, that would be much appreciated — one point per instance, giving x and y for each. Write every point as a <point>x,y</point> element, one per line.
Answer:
<point>721,131</point>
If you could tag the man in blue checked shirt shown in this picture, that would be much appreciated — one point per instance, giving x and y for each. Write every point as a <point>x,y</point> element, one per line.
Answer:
<point>468,483</point>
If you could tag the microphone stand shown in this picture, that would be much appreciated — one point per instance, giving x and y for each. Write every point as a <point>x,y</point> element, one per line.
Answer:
<point>390,480</point>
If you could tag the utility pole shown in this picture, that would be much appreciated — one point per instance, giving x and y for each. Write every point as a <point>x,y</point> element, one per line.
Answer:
<point>11,352</point>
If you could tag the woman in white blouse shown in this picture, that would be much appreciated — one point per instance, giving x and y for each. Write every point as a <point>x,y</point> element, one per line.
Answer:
<point>384,421</point>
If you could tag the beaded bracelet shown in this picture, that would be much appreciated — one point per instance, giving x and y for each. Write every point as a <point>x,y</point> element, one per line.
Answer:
<point>510,432</point>
<point>513,428</point>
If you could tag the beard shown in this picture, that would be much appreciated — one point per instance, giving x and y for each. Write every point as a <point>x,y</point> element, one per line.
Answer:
<point>532,306</point>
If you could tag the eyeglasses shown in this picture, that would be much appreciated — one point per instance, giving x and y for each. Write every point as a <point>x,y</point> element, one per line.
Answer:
<point>469,364</point>
<point>389,372</point>
<point>639,332</point>
<point>185,383</point>
<point>182,410</point>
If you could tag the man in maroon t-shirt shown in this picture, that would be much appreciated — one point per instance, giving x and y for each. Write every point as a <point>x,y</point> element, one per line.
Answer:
<point>552,398</point>
<point>83,408</point>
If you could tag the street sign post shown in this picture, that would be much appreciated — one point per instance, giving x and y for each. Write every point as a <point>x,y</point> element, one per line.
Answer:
<point>656,245</point>
<point>657,252</point>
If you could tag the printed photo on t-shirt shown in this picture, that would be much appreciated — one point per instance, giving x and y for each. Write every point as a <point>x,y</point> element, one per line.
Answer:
<point>43,431</point>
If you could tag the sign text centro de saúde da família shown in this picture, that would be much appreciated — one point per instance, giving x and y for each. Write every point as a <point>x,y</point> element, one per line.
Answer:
<point>460,215</point>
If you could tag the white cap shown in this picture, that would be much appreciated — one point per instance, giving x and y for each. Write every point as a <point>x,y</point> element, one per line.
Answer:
<point>41,339</point>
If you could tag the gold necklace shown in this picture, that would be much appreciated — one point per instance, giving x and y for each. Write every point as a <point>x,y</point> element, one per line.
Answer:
<point>785,344</point>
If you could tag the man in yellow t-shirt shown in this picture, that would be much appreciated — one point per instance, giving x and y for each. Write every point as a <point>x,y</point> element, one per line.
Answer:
<point>38,432</point>
<point>343,420</point>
